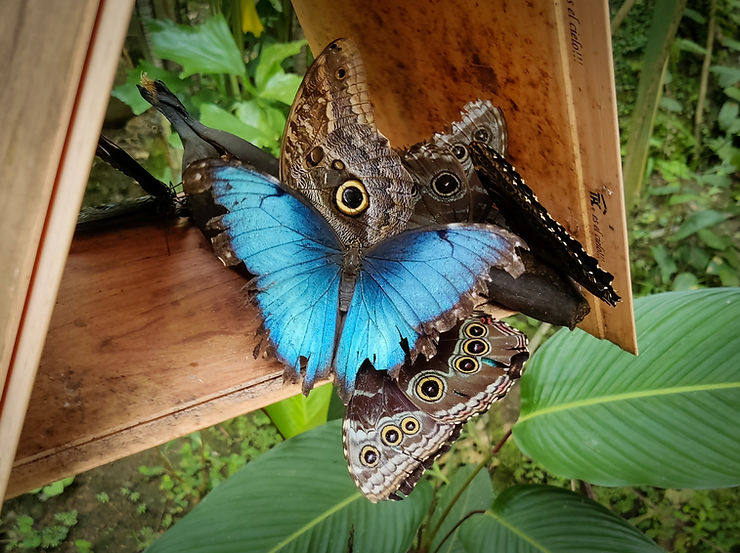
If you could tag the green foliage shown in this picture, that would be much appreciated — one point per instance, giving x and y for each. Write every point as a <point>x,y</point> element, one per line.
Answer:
<point>526,519</point>
<point>685,232</point>
<point>299,413</point>
<point>192,466</point>
<point>578,393</point>
<point>679,401</point>
<point>54,489</point>
<point>24,535</point>
<point>666,16</point>
<point>83,546</point>
<point>297,497</point>
<point>250,99</point>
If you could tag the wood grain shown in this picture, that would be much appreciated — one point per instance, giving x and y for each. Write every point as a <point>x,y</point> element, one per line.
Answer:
<point>59,56</point>
<point>150,339</point>
<point>425,60</point>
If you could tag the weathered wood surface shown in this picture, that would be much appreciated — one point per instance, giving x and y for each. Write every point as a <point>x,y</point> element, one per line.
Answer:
<point>546,63</point>
<point>56,59</point>
<point>150,339</point>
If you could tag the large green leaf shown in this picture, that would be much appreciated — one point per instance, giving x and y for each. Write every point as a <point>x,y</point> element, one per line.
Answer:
<point>297,497</point>
<point>216,117</point>
<point>478,495</point>
<point>297,414</point>
<point>538,519</point>
<point>669,417</point>
<point>271,59</point>
<point>206,49</point>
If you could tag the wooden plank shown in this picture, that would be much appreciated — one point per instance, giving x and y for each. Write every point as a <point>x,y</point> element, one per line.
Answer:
<point>59,56</point>
<point>150,339</point>
<point>425,60</point>
<point>587,55</point>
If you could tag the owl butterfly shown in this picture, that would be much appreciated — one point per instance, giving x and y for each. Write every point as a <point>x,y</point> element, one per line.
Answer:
<point>528,218</point>
<point>338,280</point>
<point>445,182</point>
<point>449,190</point>
<point>394,429</point>
<point>479,142</point>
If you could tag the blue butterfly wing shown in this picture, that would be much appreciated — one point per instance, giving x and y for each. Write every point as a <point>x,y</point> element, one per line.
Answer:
<point>413,285</point>
<point>296,259</point>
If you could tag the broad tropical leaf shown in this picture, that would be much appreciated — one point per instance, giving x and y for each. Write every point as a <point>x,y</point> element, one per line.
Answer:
<point>476,497</point>
<point>297,497</point>
<point>533,519</point>
<point>669,417</point>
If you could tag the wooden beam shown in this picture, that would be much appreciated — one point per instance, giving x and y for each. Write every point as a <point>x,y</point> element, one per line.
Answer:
<point>150,339</point>
<point>58,56</point>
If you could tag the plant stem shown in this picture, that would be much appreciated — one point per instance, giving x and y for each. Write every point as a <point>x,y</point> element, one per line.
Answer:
<point>235,89</point>
<point>536,340</point>
<point>699,116</point>
<point>468,480</point>
<point>621,15</point>
<point>459,523</point>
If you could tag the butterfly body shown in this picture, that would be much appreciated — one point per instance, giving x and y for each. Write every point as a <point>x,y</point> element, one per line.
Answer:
<point>394,429</point>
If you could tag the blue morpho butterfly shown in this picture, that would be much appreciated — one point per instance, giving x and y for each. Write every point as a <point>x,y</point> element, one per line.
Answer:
<point>405,288</point>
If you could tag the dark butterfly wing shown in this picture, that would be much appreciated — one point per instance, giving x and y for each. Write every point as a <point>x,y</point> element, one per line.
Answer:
<point>529,219</point>
<point>199,141</point>
<point>442,187</point>
<point>394,430</point>
<point>388,441</point>
<point>334,156</point>
<point>469,372</point>
<point>479,120</point>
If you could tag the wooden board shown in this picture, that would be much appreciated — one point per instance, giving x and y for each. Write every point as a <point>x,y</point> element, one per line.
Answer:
<point>56,57</point>
<point>546,63</point>
<point>149,340</point>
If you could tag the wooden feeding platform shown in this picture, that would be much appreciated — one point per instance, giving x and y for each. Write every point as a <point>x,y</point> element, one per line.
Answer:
<point>148,335</point>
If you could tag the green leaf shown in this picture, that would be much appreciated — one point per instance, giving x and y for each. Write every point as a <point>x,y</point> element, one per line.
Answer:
<point>685,281</point>
<point>296,497</point>
<point>56,488</point>
<point>281,87</point>
<point>727,274</point>
<point>698,220</point>
<point>476,497</point>
<point>295,415</point>
<point>713,240</point>
<point>726,76</point>
<point>666,418</point>
<point>690,46</point>
<point>666,17</point>
<point>83,546</point>
<point>268,119</point>
<point>271,58</point>
<point>538,519</point>
<point>671,104</point>
<point>665,262</point>
<point>733,92</point>
<point>727,115</point>
<point>207,49</point>
<point>216,117</point>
